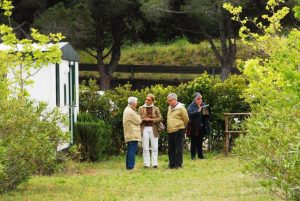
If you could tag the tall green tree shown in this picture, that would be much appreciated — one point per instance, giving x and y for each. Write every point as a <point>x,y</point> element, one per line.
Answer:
<point>206,18</point>
<point>98,27</point>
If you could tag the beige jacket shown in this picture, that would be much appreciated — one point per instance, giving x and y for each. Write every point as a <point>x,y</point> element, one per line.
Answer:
<point>156,118</point>
<point>131,125</point>
<point>177,118</point>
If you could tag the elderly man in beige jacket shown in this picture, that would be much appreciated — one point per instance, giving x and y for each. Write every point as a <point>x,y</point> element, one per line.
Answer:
<point>132,131</point>
<point>177,120</point>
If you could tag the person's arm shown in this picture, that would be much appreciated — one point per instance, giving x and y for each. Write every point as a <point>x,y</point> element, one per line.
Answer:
<point>140,111</point>
<point>192,111</point>
<point>185,116</point>
<point>135,118</point>
<point>159,117</point>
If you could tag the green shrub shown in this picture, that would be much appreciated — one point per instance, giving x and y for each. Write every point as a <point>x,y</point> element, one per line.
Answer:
<point>3,159</point>
<point>271,148</point>
<point>222,97</point>
<point>29,134</point>
<point>93,136</point>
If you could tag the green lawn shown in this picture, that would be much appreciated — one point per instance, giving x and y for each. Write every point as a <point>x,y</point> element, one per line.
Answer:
<point>216,178</point>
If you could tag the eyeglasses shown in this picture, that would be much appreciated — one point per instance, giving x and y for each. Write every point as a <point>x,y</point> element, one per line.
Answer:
<point>169,100</point>
<point>147,99</point>
<point>198,98</point>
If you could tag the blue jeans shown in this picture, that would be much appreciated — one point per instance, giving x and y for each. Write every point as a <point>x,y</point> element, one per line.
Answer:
<point>130,157</point>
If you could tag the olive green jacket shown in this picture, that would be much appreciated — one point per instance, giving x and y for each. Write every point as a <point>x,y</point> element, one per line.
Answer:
<point>177,118</point>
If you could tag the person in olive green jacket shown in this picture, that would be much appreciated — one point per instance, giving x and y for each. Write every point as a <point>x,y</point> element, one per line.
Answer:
<point>177,120</point>
<point>132,131</point>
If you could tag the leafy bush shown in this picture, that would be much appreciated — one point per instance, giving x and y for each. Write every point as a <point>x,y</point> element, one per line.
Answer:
<point>93,136</point>
<point>272,146</point>
<point>222,97</point>
<point>29,131</point>
<point>29,136</point>
<point>271,149</point>
<point>2,160</point>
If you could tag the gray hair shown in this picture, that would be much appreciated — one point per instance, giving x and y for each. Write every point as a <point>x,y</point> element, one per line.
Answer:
<point>172,96</point>
<point>196,95</point>
<point>132,100</point>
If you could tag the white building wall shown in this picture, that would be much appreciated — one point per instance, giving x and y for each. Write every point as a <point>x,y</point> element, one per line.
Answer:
<point>44,83</point>
<point>43,87</point>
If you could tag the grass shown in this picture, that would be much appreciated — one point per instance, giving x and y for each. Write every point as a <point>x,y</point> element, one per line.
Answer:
<point>179,52</point>
<point>216,178</point>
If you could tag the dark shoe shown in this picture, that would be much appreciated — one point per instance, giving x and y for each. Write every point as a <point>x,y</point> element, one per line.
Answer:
<point>193,157</point>
<point>201,157</point>
<point>146,167</point>
<point>155,166</point>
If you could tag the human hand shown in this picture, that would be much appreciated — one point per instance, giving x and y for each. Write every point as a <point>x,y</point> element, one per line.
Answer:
<point>200,108</point>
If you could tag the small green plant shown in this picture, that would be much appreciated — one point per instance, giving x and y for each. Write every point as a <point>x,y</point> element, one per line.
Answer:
<point>93,136</point>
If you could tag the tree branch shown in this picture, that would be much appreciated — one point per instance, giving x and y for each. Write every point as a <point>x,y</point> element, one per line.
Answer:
<point>90,53</point>
<point>213,46</point>
<point>171,11</point>
<point>108,53</point>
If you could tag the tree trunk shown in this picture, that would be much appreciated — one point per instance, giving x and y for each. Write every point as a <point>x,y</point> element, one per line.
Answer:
<point>105,76</point>
<point>106,71</point>
<point>225,73</point>
<point>105,82</point>
<point>228,44</point>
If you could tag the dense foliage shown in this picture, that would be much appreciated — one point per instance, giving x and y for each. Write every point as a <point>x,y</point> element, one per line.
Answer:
<point>271,149</point>
<point>221,96</point>
<point>178,52</point>
<point>92,137</point>
<point>29,136</point>
<point>30,132</point>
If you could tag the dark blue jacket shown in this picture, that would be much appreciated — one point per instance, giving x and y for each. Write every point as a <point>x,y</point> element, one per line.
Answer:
<point>194,115</point>
<point>197,117</point>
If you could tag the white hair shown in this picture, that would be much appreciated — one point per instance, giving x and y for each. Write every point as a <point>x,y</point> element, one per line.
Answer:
<point>172,96</point>
<point>132,100</point>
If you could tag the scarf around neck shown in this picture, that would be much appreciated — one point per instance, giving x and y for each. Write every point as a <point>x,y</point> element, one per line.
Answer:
<point>145,105</point>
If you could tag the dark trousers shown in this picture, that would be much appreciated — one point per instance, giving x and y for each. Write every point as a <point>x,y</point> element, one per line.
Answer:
<point>130,156</point>
<point>196,146</point>
<point>175,148</point>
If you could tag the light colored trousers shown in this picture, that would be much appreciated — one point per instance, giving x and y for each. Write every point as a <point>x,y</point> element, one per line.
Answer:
<point>149,136</point>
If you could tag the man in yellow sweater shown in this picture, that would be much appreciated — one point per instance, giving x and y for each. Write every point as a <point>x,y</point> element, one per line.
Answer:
<point>177,120</point>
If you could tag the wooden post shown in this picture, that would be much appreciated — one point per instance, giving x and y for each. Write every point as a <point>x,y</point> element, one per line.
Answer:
<point>226,136</point>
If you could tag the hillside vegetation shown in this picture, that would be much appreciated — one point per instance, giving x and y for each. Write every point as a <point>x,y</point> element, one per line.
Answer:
<point>179,52</point>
